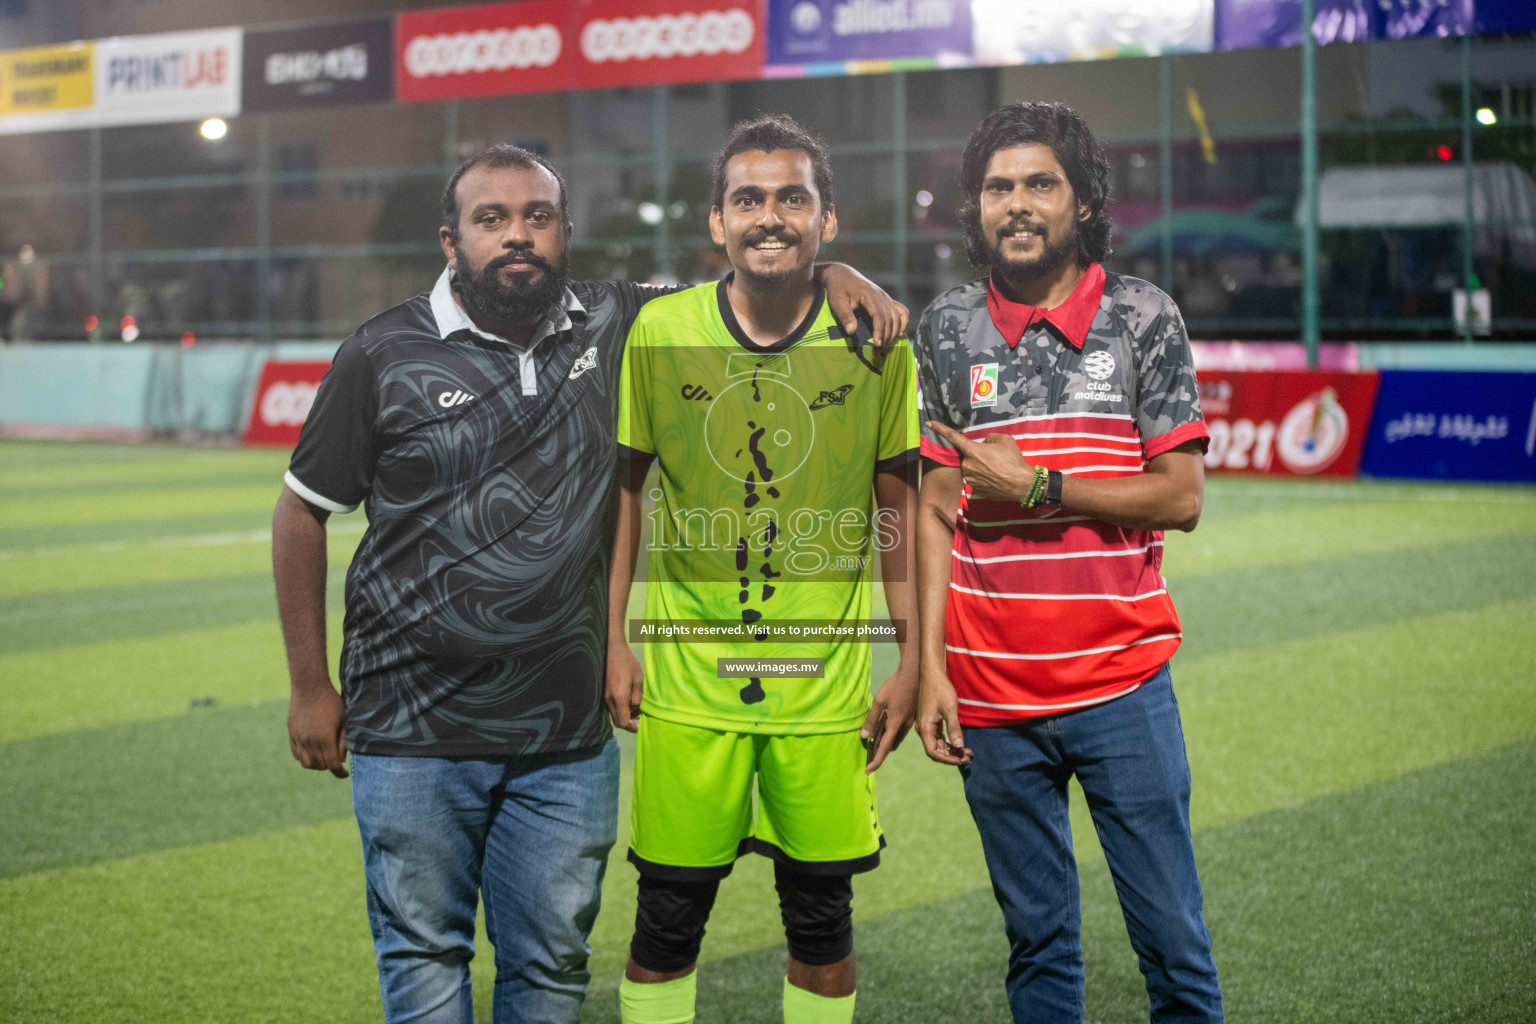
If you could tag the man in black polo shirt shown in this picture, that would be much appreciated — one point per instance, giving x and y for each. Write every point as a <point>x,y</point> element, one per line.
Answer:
<point>475,424</point>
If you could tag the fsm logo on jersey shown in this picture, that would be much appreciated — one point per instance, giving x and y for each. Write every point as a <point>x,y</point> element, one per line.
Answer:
<point>814,31</point>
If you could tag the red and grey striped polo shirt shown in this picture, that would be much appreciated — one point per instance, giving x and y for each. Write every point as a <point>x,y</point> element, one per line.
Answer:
<point>1049,611</point>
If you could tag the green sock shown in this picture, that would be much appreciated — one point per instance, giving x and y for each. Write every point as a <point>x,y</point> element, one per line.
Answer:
<point>666,1002</point>
<point>802,1007</point>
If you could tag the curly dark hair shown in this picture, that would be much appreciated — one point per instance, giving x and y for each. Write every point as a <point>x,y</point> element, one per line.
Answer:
<point>503,154</point>
<point>1050,124</point>
<point>770,132</point>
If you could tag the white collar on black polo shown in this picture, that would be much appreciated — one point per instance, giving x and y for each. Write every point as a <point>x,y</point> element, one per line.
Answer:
<point>450,317</point>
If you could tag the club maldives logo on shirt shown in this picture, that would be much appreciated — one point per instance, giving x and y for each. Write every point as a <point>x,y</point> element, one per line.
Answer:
<point>983,384</point>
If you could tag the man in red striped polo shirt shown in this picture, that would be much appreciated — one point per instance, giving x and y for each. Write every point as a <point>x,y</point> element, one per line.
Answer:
<point>1064,436</point>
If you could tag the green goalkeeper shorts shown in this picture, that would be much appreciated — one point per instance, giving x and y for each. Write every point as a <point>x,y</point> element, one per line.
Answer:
<point>691,815</point>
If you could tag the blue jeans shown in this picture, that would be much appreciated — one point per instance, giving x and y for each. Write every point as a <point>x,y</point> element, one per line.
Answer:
<point>1128,755</point>
<point>530,834</point>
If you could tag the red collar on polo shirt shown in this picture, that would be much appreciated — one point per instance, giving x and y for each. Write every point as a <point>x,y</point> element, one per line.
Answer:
<point>1072,318</point>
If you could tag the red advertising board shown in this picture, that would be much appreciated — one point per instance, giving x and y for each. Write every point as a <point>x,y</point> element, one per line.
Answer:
<point>654,42</point>
<point>284,394</point>
<point>1287,422</point>
<point>489,50</point>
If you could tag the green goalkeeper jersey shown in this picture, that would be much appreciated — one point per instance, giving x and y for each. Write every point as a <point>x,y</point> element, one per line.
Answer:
<point>765,515</point>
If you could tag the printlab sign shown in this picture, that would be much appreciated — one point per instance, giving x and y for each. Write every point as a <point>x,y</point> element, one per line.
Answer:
<point>324,65</point>
<point>174,76</point>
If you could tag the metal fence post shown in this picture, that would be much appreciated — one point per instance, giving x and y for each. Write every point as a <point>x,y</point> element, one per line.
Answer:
<point>97,286</point>
<point>1165,167</point>
<point>899,182</point>
<point>1468,235</point>
<point>264,230</point>
<point>661,170</point>
<point>1310,330</point>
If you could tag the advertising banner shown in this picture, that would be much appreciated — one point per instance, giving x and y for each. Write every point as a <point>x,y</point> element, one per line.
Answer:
<point>1247,24</point>
<point>1272,355</point>
<point>47,87</point>
<point>284,394</point>
<point>654,42</point>
<point>1287,422</point>
<point>490,50</point>
<point>818,31</point>
<point>176,76</point>
<point>1028,31</point>
<point>320,65</point>
<point>1454,426</point>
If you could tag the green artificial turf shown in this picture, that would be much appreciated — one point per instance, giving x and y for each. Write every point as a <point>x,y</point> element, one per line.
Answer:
<point>1358,688</point>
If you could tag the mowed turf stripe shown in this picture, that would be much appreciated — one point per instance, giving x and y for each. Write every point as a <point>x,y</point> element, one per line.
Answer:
<point>81,797</point>
<point>1220,611</point>
<point>45,571</point>
<point>112,534</point>
<point>41,457</point>
<point>1407,902</point>
<point>1330,911</point>
<point>77,485</point>
<point>1269,726</point>
<point>158,503</point>
<point>102,614</point>
<point>1240,609</point>
<point>1224,542</point>
<point>93,685</point>
<point>1260,739</point>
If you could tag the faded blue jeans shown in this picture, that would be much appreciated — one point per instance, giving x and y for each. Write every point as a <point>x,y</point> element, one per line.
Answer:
<point>531,835</point>
<point>1128,755</point>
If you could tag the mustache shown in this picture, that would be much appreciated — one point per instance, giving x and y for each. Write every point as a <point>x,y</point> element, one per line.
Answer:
<point>760,235</point>
<point>524,257</point>
<point>1008,229</point>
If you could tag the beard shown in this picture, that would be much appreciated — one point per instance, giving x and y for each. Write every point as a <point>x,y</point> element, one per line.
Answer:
<point>486,297</point>
<point>1053,254</point>
<point>771,280</point>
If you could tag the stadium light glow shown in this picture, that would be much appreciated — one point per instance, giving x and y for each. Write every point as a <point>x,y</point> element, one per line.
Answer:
<point>1485,115</point>
<point>214,129</point>
<point>924,198</point>
<point>650,213</point>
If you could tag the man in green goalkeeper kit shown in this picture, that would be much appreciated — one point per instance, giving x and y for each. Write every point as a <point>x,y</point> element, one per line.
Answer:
<point>770,425</point>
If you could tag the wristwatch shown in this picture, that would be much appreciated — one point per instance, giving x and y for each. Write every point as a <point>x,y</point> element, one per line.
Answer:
<point>1052,489</point>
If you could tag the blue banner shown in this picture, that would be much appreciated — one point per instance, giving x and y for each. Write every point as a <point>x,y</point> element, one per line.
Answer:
<point>1248,24</point>
<point>824,31</point>
<point>1453,426</point>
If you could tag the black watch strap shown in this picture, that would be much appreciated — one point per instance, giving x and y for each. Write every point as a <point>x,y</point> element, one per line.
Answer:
<point>1053,488</point>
